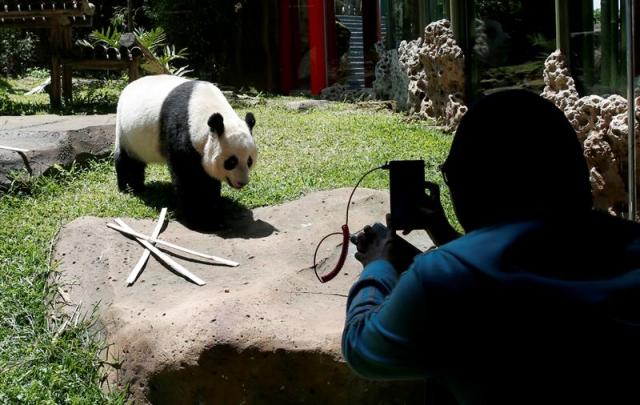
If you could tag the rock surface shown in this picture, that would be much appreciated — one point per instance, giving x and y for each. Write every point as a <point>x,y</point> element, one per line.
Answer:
<point>306,105</point>
<point>391,81</point>
<point>264,332</point>
<point>344,93</point>
<point>601,126</point>
<point>435,67</point>
<point>52,140</point>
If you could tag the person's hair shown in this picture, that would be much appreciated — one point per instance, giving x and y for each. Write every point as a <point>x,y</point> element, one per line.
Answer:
<point>515,156</point>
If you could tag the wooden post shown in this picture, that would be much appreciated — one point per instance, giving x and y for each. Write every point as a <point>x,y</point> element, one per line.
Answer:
<point>67,84</point>
<point>134,69</point>
<point>55,44</point>
<point>55,93</point>
<point>67,73</point>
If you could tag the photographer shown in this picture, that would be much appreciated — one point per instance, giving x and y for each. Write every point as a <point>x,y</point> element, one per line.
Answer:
<point>538,302</point>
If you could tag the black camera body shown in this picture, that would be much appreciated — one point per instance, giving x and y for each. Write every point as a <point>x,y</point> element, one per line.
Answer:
<point>406,190</point>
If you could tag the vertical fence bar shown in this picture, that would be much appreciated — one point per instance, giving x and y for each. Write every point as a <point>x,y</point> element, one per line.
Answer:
<point>317,45</point>
<point>631,112</point>
<point>285,43</point>
<point>562,28</point>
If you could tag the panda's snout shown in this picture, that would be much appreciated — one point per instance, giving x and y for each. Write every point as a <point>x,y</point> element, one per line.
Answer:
<point>238,184</point>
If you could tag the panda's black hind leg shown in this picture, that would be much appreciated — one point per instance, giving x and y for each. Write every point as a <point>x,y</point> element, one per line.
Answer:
<point>130,172</point>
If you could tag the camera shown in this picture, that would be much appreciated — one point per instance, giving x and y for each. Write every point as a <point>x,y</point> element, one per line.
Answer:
<point>406,190</point>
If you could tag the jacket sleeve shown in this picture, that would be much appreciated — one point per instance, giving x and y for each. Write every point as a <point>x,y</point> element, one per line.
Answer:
<point>384,335</point>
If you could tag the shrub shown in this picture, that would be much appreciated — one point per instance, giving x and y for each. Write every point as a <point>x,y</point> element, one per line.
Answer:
<point>155,40</point>
<point>17,50</point>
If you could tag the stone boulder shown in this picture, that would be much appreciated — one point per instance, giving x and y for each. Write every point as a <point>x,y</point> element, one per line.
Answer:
<point>264,332</point>
<point>601,126</point>
<point>345,93</point>
<point>560,88</point>
<point>435,67</point>
<point>307,105</point>
<point>391,81</point>
<point>52,140</point>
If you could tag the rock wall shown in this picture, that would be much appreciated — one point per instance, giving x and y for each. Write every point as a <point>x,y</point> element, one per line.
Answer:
<point>434,65</point>
<point>601,126</point>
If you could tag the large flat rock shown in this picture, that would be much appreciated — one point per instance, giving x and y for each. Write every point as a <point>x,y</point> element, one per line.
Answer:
<point>52,140</point>
<point>264,332</point>
<point>52,122</point>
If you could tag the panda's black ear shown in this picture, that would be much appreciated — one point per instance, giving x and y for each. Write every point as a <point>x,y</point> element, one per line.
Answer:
<point>250,120</point>
<point>216,123</point>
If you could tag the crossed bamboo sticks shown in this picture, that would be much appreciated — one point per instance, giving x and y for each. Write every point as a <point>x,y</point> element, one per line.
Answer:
<point>149,243</point>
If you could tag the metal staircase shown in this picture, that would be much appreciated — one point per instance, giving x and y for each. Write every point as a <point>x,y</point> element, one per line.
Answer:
<point>356,50</point>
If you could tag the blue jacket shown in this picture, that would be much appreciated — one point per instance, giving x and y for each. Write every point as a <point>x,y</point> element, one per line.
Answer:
<point>529,312</point>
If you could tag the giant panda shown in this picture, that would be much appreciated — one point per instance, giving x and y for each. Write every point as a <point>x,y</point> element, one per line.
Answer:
<point>190,126</point>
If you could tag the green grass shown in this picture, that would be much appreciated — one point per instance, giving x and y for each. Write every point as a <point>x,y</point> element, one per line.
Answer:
<point>298,153</point>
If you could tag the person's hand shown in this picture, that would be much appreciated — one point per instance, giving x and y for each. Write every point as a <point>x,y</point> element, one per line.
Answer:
<point>432,218</point>
<point>378,242</point>
<point>373,243</point>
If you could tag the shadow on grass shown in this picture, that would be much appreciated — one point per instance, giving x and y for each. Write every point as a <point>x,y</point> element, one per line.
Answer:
<point>5,86</point>
<point>24,181</point>
<point>158,194</point>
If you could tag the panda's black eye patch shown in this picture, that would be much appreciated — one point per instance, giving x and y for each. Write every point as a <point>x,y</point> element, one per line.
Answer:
<point>250,162</point>
<point>231,163</point>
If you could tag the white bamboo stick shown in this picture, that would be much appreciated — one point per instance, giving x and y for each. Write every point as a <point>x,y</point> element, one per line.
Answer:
<point>14,149</point>
<point>145,255</point>
<point>164,257</point>
<point>173,246</point>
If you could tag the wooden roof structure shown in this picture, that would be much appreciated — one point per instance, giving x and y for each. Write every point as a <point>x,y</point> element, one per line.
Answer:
<point>45,13</point>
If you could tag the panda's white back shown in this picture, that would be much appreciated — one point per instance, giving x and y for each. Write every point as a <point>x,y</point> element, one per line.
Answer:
<point>138,116</point>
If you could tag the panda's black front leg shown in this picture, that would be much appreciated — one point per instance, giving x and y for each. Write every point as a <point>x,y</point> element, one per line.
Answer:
<point>130,172</point>
<point>197,194</point>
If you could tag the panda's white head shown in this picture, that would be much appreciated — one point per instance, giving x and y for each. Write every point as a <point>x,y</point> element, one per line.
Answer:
<point>230,153</point>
